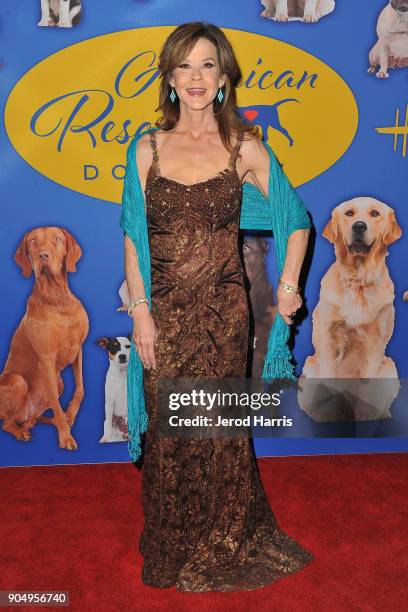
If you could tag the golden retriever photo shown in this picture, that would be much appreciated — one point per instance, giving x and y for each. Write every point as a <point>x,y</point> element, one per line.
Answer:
<point>47,340</point>
<point>308,11</point>
<point>354,318</point>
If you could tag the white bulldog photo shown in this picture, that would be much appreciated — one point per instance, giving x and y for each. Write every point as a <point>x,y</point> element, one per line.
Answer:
<point>391,48</point>
<point>308,11</point>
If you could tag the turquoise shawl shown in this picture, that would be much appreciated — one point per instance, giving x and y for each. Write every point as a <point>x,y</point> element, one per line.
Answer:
<point>283,212</point>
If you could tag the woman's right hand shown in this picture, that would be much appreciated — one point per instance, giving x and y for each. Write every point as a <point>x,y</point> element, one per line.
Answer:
<point>144,335</point>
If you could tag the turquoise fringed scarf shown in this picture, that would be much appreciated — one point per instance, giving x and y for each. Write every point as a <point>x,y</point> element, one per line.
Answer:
<point>283,212</point>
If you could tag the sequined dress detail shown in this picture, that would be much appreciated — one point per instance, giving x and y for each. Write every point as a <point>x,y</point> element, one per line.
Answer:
<point>208,525</point>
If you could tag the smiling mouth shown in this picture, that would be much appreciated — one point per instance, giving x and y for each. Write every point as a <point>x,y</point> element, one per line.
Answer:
<point>360,247</point>
<point>196,91</point>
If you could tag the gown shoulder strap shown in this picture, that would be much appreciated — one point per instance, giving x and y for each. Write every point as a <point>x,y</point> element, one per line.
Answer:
<point>235,150</point>
<point>153,143</point>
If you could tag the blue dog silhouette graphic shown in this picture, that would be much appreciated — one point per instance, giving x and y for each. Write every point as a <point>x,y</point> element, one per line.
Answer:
<point>267,115</point>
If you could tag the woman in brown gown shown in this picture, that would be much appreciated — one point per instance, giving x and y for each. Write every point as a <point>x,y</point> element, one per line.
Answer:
<point>208,525</point>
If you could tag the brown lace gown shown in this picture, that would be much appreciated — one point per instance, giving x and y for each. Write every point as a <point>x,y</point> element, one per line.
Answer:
<point>208,525</point>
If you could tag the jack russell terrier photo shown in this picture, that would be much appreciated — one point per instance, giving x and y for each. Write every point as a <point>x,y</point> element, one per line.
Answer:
<point>61,13</point>
<point>308,11</point>
<point>116,413</point>
<point>391,48</point>
<point>115,427</point>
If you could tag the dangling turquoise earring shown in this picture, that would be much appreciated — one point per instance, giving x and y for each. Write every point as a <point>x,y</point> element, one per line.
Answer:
<point>172,95</point>
<point>220,95</point>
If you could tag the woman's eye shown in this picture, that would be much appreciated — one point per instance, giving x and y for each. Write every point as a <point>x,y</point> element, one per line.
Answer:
<point>206,65</point>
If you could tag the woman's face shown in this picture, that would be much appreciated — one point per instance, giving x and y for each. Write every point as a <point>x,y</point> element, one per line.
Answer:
<point>197,78</point>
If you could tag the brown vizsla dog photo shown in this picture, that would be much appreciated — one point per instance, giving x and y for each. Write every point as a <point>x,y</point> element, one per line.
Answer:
<point>48,339</point>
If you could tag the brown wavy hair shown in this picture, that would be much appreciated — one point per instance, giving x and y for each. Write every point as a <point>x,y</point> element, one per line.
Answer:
<point>175,48</point>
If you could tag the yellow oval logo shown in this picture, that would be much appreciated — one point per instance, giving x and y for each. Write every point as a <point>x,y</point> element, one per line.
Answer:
<point>72,115</point>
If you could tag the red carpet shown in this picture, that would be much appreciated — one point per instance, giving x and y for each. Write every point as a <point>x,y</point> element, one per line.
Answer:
<point>76,528</point>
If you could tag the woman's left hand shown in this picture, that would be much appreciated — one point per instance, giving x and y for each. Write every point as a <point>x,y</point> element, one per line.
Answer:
<point>288,304</point>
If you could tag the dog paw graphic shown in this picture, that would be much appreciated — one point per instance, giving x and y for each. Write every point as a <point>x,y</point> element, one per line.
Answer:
<point>382,74</point>
<point>396,62</point>
<point>24,435</point>
<point>68,442</point>
<point>310,18</point>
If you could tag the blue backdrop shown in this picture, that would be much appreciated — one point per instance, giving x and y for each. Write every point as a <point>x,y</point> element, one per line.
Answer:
<point>369,167</point>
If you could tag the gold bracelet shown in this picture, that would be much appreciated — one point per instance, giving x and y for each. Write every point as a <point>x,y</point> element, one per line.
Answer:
<point>132,305</point>
<point>289,287</point>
